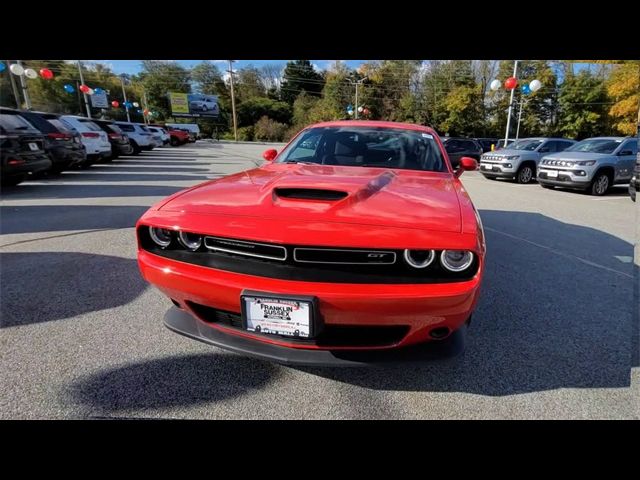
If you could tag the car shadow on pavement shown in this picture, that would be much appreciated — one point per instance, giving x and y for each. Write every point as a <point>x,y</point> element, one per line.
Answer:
<point>59,285</point>
<point>34,192</point>
<point>185,380</point>
<point>555,314</point>
<point>57,218</point>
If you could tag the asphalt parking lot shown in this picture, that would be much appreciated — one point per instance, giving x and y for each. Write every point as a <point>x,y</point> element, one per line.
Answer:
<point>555,334</point>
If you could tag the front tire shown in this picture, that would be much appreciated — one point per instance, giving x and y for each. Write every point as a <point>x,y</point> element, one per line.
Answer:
<point>525,174</point>
<point>600,184</point>
<point>136,148</point>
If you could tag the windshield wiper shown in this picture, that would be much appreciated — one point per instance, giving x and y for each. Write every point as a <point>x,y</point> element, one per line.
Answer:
<point>301,162</point>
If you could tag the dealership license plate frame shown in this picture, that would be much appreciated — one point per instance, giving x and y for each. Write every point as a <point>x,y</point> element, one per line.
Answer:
<point>314,317</point>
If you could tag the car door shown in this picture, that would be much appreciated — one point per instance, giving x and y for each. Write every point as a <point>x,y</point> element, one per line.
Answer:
<point>454,150</point>
<point>626,159</point>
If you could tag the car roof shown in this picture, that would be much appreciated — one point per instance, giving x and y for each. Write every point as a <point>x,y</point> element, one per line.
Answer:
<point>374,123</point>
<point>607,138</point>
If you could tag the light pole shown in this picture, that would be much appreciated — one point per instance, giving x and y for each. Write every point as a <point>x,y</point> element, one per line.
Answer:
<point>86,102</point>
<point>124,94</point>
<point>25,92</point>
<point>357,82</point>
<point>14,88</point>
<point>506,134</point>
<point>233,101</point>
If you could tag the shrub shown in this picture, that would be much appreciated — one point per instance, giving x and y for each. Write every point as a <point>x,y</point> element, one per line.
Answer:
<point>269,130</point>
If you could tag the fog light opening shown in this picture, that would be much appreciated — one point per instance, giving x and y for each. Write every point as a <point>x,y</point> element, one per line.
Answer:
<point>439,333</point>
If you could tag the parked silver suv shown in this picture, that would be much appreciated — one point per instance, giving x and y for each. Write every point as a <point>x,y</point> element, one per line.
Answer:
<point>594,164</point>
<point>520,159</point>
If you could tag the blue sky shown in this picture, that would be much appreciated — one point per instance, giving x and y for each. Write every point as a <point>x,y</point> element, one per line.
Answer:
<point>134,66</point>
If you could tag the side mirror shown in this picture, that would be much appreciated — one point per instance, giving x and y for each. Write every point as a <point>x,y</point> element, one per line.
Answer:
<point>270,155</point>
<point>466,163</point>
<point>625,152</point>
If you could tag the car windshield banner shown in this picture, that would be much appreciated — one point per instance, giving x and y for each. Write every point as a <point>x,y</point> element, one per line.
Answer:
<point>194,105</point>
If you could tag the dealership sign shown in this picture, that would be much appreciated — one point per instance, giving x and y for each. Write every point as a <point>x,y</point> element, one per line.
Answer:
<point>194,105</point>
<point>99,100</point>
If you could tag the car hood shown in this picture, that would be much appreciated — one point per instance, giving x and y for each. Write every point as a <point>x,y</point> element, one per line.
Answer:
<point>355,195</point>
<point>577,156</point>
<point>507,152</point>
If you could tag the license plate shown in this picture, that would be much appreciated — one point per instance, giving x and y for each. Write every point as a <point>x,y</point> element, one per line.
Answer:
<point>484,167</point>
<point>290,317</point>
<point>33,146</point>
<point>552,174</point>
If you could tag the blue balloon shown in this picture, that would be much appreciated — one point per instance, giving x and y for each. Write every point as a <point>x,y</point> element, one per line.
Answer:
<point>2,67</point>
<point>69,88</point>
<point>98,90</point>
<point>526,89</point>
<point>127,104</point>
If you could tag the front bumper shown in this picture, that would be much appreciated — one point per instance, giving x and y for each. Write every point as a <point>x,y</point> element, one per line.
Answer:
<point>418,307</point>
<point>32,164</point>
<point>565,178</point>
<point>185,324</point>
<point>496,170</point>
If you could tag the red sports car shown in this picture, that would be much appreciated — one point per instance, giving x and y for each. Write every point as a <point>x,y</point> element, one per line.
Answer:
<point>357,236</point>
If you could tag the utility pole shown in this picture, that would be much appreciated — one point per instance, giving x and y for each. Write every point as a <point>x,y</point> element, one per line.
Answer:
<point>233,101</point>
<point>519,116</point>
<point>124,94</point>
<point>146,106</point>
<point>86,101</point>
<point>25,92</point>
<point>359,82</point>
<point>16,95</point>
<point>506,135</point>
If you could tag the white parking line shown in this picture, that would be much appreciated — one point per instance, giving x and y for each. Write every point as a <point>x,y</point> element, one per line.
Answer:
<point>558,252</point>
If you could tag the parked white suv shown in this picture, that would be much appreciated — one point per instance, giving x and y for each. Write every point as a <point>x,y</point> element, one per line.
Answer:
<point>139,136</point>
<point>95,140</point>
<point>163,136</point>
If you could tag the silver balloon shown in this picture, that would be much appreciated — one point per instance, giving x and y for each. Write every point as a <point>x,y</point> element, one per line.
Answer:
<point>31,73</point>
<point>136,104</point>
<point>535,85</point>
<point>495,85</point>
<point>16,69</point>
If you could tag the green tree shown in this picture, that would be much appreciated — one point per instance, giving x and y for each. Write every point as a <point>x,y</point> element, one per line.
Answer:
<point>299,76</point>
<point>248,84</point>
<point>159,79</point>
<point>250,111</point>
<point>582,106</point>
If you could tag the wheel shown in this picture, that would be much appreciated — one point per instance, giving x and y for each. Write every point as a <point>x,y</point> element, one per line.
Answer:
<point>525,174</point>
<point>136,148</point>
<point>600,184</point>
<point>13,180</point>
<point>174,142</point>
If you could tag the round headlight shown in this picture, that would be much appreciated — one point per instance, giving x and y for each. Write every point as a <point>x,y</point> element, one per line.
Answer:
<point>160,236</point>
<point>419,258</point>
<point>191,241</point>
<point>456,260</point>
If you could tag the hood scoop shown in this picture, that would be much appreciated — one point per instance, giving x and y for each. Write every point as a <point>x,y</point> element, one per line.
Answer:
<point>309,194</point>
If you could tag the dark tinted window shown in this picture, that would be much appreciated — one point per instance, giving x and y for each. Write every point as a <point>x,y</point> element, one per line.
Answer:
<point>630,145</point>
<point>126,127</point>
<point>356,146</point>
<point>14,122</point>
<point>58,124</point>
<point>468,145</point>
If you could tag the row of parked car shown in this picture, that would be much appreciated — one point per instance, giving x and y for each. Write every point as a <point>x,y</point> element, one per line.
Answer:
<point>593,165</point>
<point>37,142</point>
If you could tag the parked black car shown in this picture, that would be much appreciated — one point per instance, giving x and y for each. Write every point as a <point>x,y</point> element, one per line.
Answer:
<point>21,148</point>
<point>119,140</point>
<point>486,143</point>
<point>61,144</point>
<point>461,147</point>
<point>634,184</point>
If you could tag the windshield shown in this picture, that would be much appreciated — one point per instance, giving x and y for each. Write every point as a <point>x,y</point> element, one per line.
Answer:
<point>600,145</point>
<point>355,146</point>
<point>529,145</point>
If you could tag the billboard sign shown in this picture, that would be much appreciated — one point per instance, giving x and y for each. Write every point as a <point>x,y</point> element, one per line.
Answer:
<point>99,100</point>
<point>194,105</point>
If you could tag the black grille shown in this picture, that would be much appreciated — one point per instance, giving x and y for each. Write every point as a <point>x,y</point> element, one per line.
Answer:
<point>351,257</point>
<point>252,249</point>
<point>310,194</point>
<point>330,335</point>
<point>365,270</point>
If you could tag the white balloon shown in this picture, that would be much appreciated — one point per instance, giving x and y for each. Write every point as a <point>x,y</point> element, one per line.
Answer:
<point>495,85</point>
<point>30,73</point>
<point>136,104</point>
<point>535,85</point>
<point>16,69</point>
<point>360,109</point>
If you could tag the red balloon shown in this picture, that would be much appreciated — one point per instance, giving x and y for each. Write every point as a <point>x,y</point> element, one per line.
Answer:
<point>510,83</point>
<point>84,88</point>
<point>365,111</point>
<point>115,104</point>
<point>146,111</point>
<point>46,73</point>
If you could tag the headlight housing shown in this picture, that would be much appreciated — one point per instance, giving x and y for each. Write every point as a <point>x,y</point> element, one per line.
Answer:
<point>190,241</point>
<point>161,236</point>
<point>513,157</point>
<point>419,258</point>
<point>456,260</point>
<point>586,163</point>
